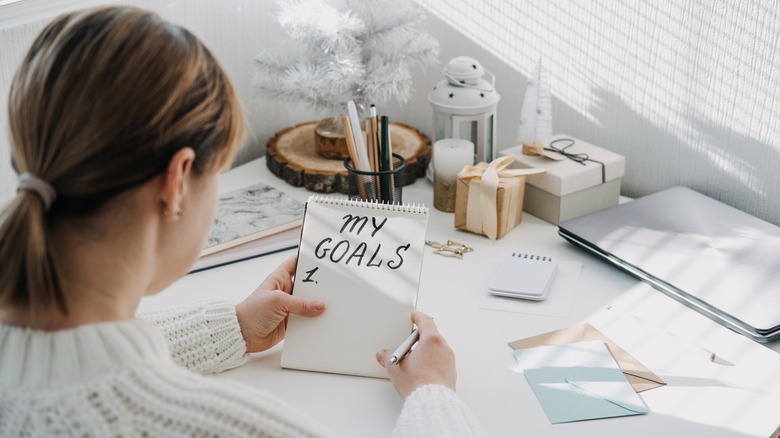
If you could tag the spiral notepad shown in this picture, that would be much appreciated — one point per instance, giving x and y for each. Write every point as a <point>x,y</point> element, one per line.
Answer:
<point>526,276</point>
<point>363,259</point>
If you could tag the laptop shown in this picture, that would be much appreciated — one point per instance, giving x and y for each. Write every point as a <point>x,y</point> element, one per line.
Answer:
<point>713,258</point>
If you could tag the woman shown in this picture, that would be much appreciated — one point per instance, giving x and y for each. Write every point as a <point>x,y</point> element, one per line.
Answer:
<point>120,123</point>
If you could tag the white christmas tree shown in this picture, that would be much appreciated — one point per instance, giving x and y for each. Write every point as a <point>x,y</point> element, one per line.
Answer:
<point>360,50</point>
<point>536,114</point>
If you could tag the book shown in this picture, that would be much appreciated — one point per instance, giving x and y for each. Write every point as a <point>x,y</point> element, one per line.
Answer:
<point>526,276</point>
<point>363,259</point>
<point>249,214</point>
<point>281,241</point>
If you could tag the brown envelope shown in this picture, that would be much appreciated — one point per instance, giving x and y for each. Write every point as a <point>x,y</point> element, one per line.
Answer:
<point>638,375</point>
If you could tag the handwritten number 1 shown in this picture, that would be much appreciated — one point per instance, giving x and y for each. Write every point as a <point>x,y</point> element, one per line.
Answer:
<point>308,277</point>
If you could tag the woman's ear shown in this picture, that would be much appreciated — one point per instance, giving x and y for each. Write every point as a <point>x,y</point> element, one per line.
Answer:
<point>174,182</point>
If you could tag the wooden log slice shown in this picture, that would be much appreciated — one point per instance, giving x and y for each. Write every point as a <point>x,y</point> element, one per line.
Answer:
<point>292,156</point>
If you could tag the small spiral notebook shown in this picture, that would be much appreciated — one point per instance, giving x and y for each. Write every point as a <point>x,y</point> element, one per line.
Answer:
<point>526,276</point>
<point>363,259</point>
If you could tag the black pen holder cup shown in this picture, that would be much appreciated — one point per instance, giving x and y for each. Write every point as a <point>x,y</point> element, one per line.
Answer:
<point>384,187</point>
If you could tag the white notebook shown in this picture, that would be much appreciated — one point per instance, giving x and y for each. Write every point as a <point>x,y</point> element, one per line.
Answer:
<point>526,276</point>
<point>363,259</point>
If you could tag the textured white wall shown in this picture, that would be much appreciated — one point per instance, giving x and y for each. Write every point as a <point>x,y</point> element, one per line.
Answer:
<point>684,89</point>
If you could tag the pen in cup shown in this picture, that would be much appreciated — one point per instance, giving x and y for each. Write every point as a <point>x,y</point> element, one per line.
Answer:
<point>404,348</point>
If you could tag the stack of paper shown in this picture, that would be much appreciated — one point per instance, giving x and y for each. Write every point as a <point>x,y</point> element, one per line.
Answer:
<point>638,375</point>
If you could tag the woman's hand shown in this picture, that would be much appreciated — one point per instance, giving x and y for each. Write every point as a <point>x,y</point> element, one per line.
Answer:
<point>431,362</point>
<point>263,315</point>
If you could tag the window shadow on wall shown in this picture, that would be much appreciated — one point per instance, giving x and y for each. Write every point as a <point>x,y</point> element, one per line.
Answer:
<point>744,179</point>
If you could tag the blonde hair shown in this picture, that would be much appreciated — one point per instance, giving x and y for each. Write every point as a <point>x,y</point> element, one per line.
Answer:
<point>102,101</point>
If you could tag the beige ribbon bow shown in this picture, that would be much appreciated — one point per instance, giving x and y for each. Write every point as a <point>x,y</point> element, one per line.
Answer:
<point>482,207</point>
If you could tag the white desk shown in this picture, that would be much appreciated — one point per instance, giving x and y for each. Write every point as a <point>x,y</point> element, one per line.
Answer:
<point>701,398</point>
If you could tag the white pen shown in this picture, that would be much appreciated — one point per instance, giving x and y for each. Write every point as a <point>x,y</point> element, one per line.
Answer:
<point>404,348</point>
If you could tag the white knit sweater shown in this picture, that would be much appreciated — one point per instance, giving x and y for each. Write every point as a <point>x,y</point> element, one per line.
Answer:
<point>128,379</point>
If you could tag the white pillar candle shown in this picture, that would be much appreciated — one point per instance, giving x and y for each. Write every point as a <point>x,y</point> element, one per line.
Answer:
<point>449,157</point>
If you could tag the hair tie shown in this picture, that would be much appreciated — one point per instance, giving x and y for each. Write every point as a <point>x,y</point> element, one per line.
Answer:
<point>44,190</point>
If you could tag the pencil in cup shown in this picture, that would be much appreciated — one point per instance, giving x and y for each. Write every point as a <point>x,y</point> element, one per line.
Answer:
<point>353,156</point>
<point>360,181</point>
<point>371,144</point>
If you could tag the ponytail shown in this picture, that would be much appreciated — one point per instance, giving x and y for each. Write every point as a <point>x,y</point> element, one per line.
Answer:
<point>28,275</point>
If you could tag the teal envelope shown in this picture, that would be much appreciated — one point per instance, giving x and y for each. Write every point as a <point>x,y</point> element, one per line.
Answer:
<point>579,381</point>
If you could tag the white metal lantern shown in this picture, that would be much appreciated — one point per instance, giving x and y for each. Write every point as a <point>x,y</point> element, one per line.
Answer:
<point>464,106</point>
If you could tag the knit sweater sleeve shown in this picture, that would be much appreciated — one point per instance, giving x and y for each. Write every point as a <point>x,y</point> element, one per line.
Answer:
<point>205,338</point>
<point>436,411</point>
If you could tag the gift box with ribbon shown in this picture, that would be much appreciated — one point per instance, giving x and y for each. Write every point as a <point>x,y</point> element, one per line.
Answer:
<point>489,197</point>
<point>580,178</point>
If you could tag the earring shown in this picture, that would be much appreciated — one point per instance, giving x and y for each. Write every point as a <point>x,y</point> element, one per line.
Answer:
<point>167,211</point>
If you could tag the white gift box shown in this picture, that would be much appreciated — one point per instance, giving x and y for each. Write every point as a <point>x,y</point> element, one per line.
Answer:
<point>580,179</point>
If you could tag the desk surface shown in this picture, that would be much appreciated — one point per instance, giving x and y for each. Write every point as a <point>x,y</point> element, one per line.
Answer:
<point>739,398</point>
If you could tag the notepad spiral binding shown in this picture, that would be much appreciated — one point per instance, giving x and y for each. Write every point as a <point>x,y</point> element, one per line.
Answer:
<point>521,255</point>
<point>408,208</point>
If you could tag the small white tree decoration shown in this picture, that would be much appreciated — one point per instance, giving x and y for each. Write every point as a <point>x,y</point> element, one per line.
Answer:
<point>536,113</point>
<point>359,50</point>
